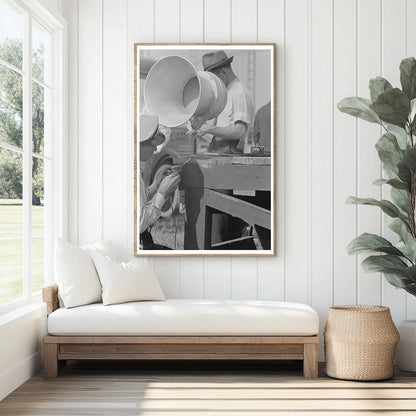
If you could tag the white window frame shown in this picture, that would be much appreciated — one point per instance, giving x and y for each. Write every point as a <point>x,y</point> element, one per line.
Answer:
<point>58,211</point>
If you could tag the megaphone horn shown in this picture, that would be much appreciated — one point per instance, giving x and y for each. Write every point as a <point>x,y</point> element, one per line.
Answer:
<point>175,91</point>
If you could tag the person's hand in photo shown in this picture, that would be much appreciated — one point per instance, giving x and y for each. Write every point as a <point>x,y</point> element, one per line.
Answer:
<point>169,184</point>
<point>163,171</point>
<point>173,168</point>
<point>205,129</point>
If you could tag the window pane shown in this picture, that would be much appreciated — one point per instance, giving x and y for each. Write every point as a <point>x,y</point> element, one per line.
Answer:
<point>38,118</point>
<point>11,107</point>
<point>38,230</point>
<point>11,34</point>
<point>11,226</point>
<point>41,46</point>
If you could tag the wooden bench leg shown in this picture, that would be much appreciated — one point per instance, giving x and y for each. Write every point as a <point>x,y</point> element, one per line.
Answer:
<point>310,360</point>
<point>50,360</point>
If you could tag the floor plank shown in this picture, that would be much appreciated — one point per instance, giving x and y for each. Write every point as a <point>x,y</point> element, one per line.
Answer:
<point>226,389</point>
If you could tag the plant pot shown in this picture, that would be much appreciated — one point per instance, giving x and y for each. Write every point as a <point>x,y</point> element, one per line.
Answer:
<point>360,341</point>
<point>406,349</point>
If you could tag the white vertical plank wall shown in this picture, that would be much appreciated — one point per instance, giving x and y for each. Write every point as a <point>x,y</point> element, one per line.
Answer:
<point>90,127</point>
<point>321,148</point>
<point>297,148</point>
<point>411,51</point>
<point>115,52</point>
<point>326,50</point>
<point>70,11</point>
<point>271,29</point>
<point>393,50</point>
<point>368,163</point>
<point>345,152</point>
<point>217,21</point>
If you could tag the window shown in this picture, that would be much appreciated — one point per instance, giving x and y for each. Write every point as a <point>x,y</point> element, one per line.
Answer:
<point>31,142</point>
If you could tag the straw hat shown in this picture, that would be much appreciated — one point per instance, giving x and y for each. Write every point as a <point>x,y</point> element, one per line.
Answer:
<point>148,127</point>
<point>215,59</point>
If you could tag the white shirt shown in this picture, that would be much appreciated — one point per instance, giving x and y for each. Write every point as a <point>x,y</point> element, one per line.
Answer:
<point>239,107</point>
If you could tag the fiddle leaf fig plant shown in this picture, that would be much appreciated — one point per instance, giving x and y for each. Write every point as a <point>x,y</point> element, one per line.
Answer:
<point>394,109</point>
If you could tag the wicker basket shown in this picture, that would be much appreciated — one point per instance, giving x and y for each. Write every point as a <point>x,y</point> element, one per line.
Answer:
<point>360,341</point>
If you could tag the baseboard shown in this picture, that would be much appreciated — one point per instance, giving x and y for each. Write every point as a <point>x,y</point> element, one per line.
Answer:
<point>10,380</point>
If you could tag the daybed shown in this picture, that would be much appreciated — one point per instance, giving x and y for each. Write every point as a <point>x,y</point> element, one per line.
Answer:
<point>181,329</point>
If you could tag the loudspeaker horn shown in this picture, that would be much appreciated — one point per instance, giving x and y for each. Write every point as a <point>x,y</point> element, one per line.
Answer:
<point>175,91</point>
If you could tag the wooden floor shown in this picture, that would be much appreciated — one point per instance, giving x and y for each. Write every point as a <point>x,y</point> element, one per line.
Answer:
<point>191,389</point>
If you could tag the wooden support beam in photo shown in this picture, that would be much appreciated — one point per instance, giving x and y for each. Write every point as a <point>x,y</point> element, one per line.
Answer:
<point>202,181</point>
<point>250,213</point>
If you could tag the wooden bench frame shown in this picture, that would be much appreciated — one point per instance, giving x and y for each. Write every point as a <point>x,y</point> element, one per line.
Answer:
<point>58,349</point>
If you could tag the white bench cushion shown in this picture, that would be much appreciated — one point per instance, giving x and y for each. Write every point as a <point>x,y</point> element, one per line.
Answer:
<point>187,317</point>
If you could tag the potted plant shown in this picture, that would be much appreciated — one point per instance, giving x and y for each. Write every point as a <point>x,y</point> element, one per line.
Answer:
<point>394,109</point>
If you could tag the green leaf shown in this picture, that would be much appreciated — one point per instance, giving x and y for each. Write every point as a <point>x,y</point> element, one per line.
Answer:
<point>390,173</point>
<point>359,107</point>
<point>389,151</point>
<point>396,271</point>
<point>378,86</point>
<point>388,207</point>
<point>412,115</point>
<point>410,272</point>
<point>381,263</point>
<point>411,289</point>
<point>408,77</point>
<point>398,184</point>
<point>402,139</point>
<point>392,107</point>
<point>397,280</point>
<point>410,158</point>
<point>400,228</point>
<point>400,198</point>
<point>408,249</point>
<point>380,182</point>
<point>395,183</point>
<point>404,173</point>
<point>366,243</point>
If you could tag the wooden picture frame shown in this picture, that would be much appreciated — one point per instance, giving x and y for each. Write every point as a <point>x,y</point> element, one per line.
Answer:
<point>226,200</point>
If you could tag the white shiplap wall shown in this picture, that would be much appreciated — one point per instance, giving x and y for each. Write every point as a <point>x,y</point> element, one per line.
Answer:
<point>326,50</point>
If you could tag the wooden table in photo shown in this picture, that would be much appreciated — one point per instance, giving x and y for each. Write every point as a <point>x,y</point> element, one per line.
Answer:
<point>204,181</point>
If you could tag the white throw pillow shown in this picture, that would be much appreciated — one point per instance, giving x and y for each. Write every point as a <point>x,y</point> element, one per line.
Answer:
<point>126,282</point>
<point>103,247</point>
<point>75,273</point>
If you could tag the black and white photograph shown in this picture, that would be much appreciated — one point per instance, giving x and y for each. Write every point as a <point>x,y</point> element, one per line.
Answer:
<point>205,149</point>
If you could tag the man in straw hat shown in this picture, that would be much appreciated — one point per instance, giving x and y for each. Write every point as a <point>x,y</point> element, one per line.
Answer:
<point>232,126</point>
<point>230,133</point>
<point>153,197</point>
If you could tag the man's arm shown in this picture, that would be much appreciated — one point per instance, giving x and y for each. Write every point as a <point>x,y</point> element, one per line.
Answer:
<point>234,131</point>
<point>152,189</point>
<point>150,211</point>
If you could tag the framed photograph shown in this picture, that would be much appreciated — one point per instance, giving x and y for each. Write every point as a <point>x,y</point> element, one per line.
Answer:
<point>204,150</point>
